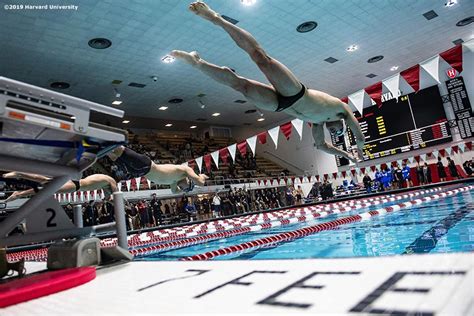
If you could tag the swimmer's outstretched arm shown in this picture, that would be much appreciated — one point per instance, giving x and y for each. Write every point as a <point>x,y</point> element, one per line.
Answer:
<point>320,142</point>
<point>167,173</point>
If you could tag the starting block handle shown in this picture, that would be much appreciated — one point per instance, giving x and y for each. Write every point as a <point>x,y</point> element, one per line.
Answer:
<point>78,216</point>
<point>119,210</point>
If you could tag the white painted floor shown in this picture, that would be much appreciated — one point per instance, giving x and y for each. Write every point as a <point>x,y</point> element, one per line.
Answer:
<point>440,284</point>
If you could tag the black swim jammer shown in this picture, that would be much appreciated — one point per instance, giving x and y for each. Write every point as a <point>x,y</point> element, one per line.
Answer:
<point>77,184</point>
<point>285,102</point>
<point>133,164</point>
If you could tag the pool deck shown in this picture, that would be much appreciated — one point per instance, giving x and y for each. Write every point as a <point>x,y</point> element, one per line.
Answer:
<point>441,284</point>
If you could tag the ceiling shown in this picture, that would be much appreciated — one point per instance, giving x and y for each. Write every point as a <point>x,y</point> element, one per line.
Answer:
<point>44,46</point>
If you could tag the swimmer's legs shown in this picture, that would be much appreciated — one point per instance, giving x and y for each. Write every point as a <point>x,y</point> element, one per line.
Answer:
<point>261,94</point>
<point>27,176</point>
<point>282,79</point>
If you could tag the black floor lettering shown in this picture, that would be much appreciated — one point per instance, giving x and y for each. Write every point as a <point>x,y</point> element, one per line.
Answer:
<point>198,272</point>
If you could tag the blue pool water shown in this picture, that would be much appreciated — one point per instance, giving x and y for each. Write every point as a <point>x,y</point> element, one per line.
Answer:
<point>445,225</point>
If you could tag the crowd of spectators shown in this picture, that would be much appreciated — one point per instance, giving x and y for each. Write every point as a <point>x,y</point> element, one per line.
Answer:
<point>154,212</point>
<point>399,177</point>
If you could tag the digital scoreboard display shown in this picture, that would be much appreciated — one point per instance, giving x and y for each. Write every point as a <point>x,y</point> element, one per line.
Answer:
<point>412,121</point>
<point>459,99</point>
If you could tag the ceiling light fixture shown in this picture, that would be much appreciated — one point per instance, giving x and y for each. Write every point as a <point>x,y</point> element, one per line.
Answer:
<point>352,48</point>
<point>167,59</point>
<point>216,114</point>
<point>248,2</point>
<point>306,27</point>
<point>125,121</point>
<point>117,102</point>
<point>163,108</point>
<point>465,21</point>
<point>261,119</point>
<point>194,126</point>
<point>169,125</point>
<point>394,68</point>
<point>60,85</point>
<point>100,43</point>
<point>450,3</point>
<point>375,59</point>
<point>202,105</point>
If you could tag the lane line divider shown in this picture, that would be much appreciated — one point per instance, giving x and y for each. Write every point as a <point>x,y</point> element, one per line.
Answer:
<point>299,233</point>
<point>184,236</point>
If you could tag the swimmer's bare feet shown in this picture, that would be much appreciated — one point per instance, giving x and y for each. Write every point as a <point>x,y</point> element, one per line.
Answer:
<point>12,175</point>
<point>201,9</point>
<point>191,58</point>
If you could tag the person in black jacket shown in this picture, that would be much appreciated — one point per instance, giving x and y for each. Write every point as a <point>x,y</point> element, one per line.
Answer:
<point>367,183</point>
<point>419,174</point>
<point>468,166</point>
<point>156,210</point>
<point>427,174</point>
<point>452,168</point>
<point>441,170</point>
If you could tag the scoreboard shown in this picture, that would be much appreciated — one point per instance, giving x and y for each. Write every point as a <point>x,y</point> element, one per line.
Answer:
<point>398,125</point>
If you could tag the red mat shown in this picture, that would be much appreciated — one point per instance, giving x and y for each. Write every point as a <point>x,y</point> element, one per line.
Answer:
<point>46,283</point>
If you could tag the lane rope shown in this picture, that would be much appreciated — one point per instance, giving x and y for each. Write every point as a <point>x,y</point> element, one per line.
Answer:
<point>299,233</point>
<point>179,237</point>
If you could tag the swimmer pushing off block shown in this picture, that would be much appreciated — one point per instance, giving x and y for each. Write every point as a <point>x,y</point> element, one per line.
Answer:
<point>134,165</point>
<point>286,93</point>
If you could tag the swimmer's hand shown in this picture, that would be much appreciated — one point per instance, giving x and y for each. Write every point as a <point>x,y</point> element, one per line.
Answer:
<point>352,158</point>
<point>360,149</point>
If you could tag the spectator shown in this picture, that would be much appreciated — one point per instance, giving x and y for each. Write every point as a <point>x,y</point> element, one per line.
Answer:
<point>441,170</point>
<point>156,210</point>
<point>88,214</point>
<point>299,195</point>
<point>419,174</point>
<point>326,190</point>
<point>216,205</point>
<point>427,174</point>
<point>367,183</point>
<point>289,196</point>
<point>143,212</point>
<point>468,166</point>
<point>398,178</point>
<point>406,175</point>
<point>190,209</point>
<point>379,178</point>
<point>386,178</point>
<point>452,168</point>
<point>167,208</point>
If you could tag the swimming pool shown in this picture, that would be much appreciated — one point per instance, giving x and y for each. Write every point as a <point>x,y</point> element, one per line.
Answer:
<point>440,226</point>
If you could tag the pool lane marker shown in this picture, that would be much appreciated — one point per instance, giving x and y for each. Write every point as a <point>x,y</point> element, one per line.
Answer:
<point>228,231</point>
<point>150,249</point>
<point>152,237</point>
<point>228,227</point>
<point>299,233</point>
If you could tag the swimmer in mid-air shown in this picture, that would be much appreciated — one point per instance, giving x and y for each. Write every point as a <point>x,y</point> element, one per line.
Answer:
<point>135,165</point>
<point>93,182</point>
<point>286,93</point>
